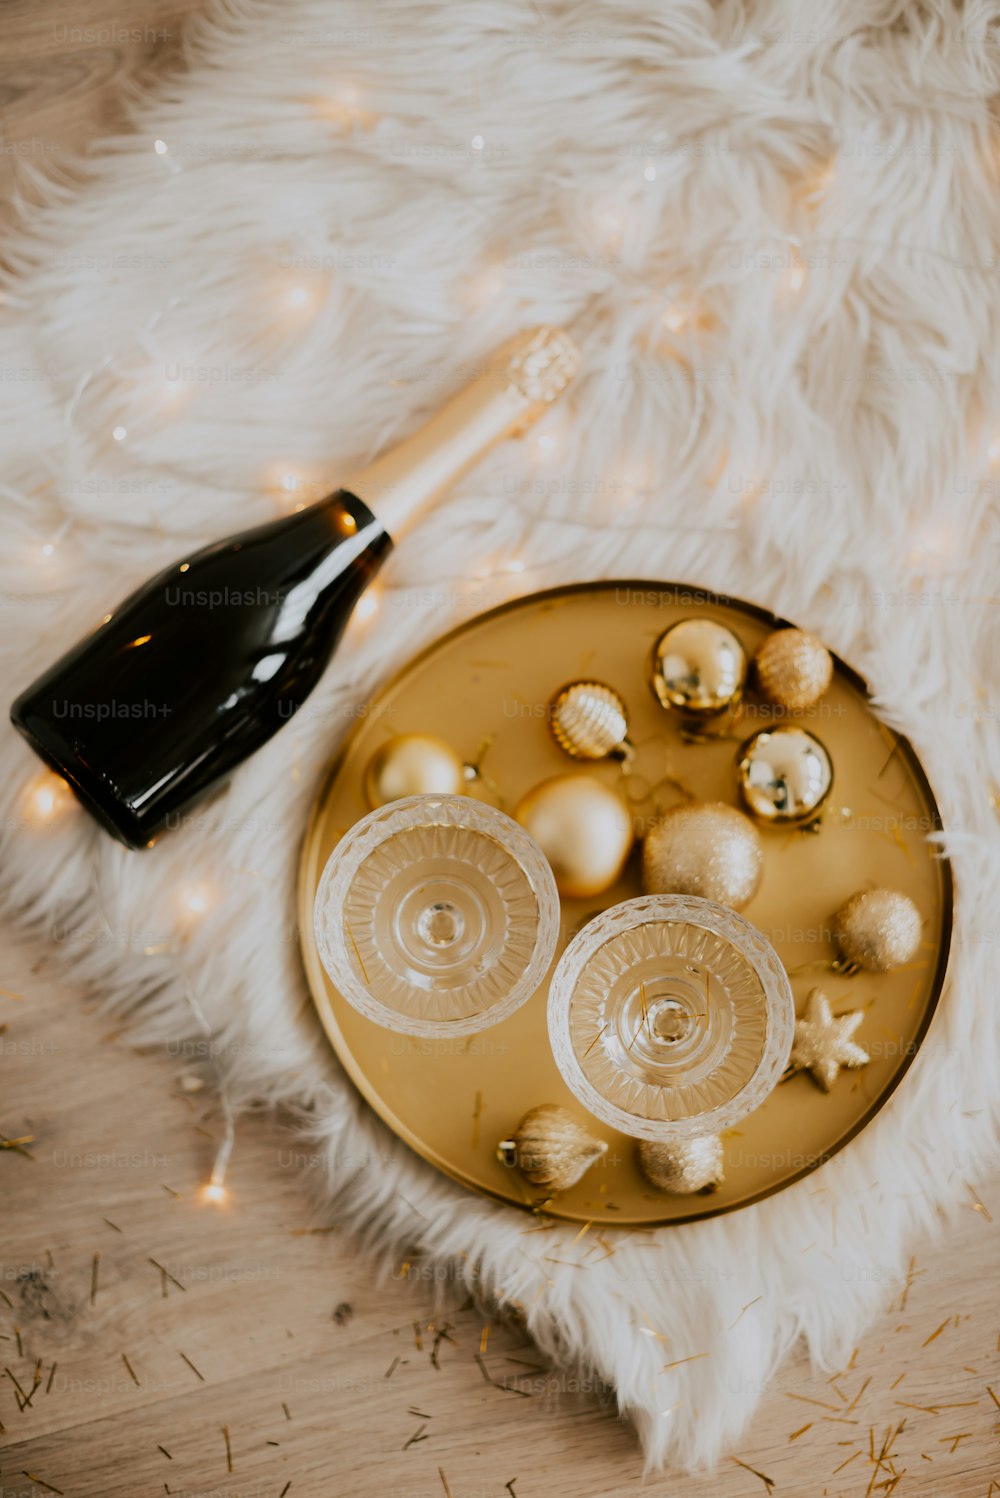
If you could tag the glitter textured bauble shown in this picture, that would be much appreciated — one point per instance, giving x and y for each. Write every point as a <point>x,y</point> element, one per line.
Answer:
<point>551,1148</point>
<point>699,668</point>
<point>793,669</point>
<point>413,764</point>
<point>785,775</point>
<point>588,720</point>
<point>583,828</point>
<point>707,849</point>
<point>823,1043</point>
<point>685,1167</point>
<point>877,929</point>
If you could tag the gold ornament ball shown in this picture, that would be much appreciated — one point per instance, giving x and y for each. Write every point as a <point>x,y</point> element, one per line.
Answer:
<point>707,849</point>
<point>685,1167</point>
<point>413,764</point>
<point>583,828</point>
<point>877,929</point>
<point>551,1148</point>
<point>588,720</point>
<point>785,775</point>
<point>699,667</point>
<point>793,669</point>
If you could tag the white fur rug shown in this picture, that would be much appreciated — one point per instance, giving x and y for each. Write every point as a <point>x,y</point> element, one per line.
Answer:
<point>774,229</point>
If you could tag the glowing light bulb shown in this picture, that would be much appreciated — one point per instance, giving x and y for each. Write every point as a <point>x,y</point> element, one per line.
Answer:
<point>649,172</point>
<point>119,433</point>
<point>516,566</point>
<point>674,318</point>
<point>160,147</point>
<point>46,797</point>
<point>194,901</point>
<point>477,143</point>
<point>367,606</point>
<point>796,277</point>
<point>48,550</point>
<point>214,1192</point>
<point>992,452</point>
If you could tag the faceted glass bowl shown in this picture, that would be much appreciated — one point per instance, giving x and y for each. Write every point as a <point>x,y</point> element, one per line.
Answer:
<point>436,915</point>
<point>670,1016</point>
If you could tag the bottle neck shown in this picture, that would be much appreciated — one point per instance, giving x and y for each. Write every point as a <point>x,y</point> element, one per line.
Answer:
<point>516,386</point>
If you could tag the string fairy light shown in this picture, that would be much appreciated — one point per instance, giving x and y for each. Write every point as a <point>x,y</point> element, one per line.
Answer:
<point>192,901</point>
<point>46,798</point>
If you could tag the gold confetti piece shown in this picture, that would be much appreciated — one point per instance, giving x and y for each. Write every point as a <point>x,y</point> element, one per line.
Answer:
<point>933,1335</point>
<point>444,1483</point>
<point>483,1368</point>
<point>361,960</point>
<point>484,1337</point>
<point>746,1308</point>
<point>46,1485</point>
<point>18,1145</point>
<point>420,1414</point>
<point>9,993</point>
<point>156,1265</point>
<point>20,1348</point>
<point>767,1481</point>
<point>194,1370</point>
<point>288,1413</point>
<point>284,1489</point>
<point>978,1205</point>
<point>693,1358</point>
<point>171,1190</point>
<point>111,1224</point>
<point>95,1266</point>
<point>476,1115</point>
<point>994,1398</point>
<point>804,1399</point>
<point>898,1381</point>
<point>417,1436</point>
<point>229,1449</point>
<point>510,1487</point>
<point>166,1453</point>
<point>850,1459</point>
<point>391,1368</point>
<point>418,1339</point>
<point>801,1432</point>
<point>131,1371</point>
<point>52,1374</point>
<point>20,1392</point>
<point>595,1039</point>
<point>854,1402</point>
<point>585,1229</point>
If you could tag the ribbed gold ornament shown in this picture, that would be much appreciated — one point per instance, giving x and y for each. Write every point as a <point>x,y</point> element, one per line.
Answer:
<point>793,669</point>
<point>588,720</point>
<point>877,929</point>
<point>551,1148</point>
<point>688,1166</point>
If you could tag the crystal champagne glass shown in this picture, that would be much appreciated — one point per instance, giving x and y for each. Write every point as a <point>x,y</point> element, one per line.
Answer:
<point>670,1017</point>
<point>437,915</point>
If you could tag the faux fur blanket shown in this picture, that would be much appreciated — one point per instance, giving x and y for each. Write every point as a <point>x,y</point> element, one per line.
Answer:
<point>774,230</point>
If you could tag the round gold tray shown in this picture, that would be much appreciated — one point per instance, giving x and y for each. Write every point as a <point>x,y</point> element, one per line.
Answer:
<point>452,1100</point>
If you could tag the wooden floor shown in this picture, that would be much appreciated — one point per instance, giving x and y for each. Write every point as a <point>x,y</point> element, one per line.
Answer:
<point>155,1344</point>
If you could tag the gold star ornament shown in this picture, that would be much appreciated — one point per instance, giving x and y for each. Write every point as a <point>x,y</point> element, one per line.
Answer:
<point>823,1044</point>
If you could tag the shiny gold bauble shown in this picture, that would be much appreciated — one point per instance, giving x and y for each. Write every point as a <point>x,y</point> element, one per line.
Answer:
<point>706,849</point>
<point>588,720</point>
<point>698,667</point>
<point>793,669</point>
<point>551,1148</point>
<point>583,828</point>
<point>413,764</point>
<point>785,775</point>
<point>688,1166</point>
<point>877,929</point>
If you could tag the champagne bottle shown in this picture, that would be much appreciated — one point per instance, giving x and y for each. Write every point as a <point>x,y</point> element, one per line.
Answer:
<point>206,661</point>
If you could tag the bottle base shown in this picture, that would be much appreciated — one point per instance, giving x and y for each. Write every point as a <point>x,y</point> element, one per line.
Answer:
<point>89,789</point>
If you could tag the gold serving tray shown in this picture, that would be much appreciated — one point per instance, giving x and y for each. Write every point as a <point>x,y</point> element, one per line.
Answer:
<point>452,1100</point>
